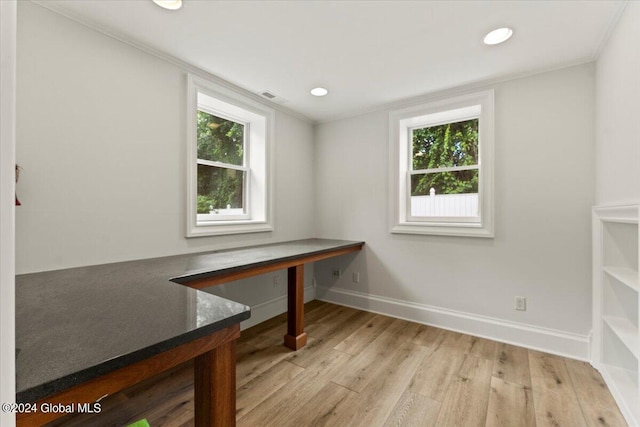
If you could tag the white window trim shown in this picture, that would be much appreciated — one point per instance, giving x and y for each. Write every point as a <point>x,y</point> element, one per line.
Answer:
<point>259,120</point>
<point>441,111</point>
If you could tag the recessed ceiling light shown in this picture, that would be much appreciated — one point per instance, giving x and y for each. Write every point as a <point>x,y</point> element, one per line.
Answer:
<point>498,36</point>
<point>169,4</point>
<point>319,91</point>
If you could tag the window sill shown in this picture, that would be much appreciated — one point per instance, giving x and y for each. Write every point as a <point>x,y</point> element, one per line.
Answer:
<point>450,229</point>
<point>229,227</point>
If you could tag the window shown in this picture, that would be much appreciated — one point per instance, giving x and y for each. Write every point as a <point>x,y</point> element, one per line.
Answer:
<point>229,140</point>
<point>442,167</point>
<point>222,168</point>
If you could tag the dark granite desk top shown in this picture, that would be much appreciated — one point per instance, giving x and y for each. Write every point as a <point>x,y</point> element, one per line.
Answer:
<point>77,324</point>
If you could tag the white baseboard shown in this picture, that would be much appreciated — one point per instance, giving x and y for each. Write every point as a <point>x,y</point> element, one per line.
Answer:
<point>552,341</point>
<point>268,309</point>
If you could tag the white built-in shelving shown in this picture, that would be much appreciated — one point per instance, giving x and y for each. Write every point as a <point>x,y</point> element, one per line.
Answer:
<point>615,350</point>
<point>624,275</point>
<point>626,332</point>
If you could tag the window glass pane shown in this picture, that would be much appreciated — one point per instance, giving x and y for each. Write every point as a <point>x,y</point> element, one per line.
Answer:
<point>220,189</point>
<point>220,140</point>
<point>455,182</point>
<point>451,144</point>
<point>454,194</point>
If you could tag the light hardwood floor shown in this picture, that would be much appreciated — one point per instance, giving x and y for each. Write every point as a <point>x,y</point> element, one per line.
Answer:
<point>364,369</point>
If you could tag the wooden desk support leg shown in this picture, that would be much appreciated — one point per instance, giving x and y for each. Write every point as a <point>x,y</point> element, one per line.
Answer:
<point>296,337</point>
<point>215,387</point>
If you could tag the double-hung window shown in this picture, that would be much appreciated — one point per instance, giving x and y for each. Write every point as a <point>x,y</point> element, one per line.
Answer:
<point>222,152</point>
<point>229,140</point>
<point>442,167</point>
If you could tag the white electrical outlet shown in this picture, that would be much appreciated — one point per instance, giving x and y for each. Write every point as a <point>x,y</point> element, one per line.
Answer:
<point>355,277</point>
<point>337,273</point>
<point>276,281</point>
<point>521,303</point>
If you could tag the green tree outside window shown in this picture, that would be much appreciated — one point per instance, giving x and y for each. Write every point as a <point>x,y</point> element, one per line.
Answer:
<point>222,141</point>
<point>447,145</point>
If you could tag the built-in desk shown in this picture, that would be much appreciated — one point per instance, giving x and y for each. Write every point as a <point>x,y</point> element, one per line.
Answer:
<point>87,332</point>
<point>225,266</point>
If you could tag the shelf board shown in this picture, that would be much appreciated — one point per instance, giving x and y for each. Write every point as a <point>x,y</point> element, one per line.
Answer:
<point>626,276</point>
<point>626,331</point>
<point>620,220</point>
<point>624,387</point>
<point>627,214</point>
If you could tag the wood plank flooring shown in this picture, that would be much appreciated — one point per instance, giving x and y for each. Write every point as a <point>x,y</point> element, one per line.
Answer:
<point>364,369</point>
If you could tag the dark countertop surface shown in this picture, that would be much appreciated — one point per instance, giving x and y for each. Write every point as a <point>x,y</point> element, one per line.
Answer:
<point>77,324</point>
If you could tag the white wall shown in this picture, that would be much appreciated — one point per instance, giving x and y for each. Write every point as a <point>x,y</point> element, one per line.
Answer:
<point>618,112</point>
<point>544,182</point>
<point>101,142</point>
<point>7,218</point>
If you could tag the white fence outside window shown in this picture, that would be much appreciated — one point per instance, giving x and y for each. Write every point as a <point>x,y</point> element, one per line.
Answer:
<point>445,204</point>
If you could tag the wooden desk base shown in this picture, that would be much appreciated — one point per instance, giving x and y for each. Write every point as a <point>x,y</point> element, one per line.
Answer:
<point>214,378</point>
<point>295,338</point>
<point>214,381</point>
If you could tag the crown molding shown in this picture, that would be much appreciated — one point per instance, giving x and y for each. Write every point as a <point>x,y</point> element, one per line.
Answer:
<point>455,90</point>
<point>607,34</point>
<point>425,97</point>
<point>189,68</point>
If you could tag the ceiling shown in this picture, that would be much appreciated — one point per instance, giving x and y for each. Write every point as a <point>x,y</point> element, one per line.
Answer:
<point>367,53</point>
